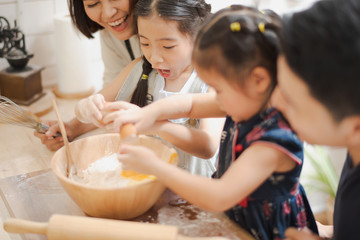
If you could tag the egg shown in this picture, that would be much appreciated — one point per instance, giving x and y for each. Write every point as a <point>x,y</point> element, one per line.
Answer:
<point>127,130</point>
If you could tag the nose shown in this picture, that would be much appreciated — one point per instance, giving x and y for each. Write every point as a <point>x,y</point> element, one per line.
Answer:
<point>155,57</point>
<point>108,9</point>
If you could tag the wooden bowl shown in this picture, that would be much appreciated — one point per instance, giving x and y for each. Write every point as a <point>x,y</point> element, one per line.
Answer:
<point>113,202</point>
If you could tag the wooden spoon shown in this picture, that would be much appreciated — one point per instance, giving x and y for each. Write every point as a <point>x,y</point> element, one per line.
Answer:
<point>70,162</point>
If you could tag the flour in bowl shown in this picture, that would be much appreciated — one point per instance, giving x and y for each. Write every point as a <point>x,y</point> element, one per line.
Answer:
<point>107,172</point>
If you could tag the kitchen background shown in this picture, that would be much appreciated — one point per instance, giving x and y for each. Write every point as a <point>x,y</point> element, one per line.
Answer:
<point>35,18</point>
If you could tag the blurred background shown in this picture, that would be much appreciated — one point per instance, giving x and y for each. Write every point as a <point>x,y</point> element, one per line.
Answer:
<point>35,18</point>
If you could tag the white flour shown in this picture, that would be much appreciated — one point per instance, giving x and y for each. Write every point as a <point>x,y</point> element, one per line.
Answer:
<point>104,172</point>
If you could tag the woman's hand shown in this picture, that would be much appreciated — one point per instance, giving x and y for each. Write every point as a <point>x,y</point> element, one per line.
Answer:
<point>48,139</point>
<point>54,143</point>
<point>88,110</point>
<point>139,159</point>
<point>119,113</point>
<point>305,234</point>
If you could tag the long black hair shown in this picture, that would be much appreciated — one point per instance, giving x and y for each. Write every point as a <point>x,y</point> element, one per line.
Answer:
<point>190,14</point>
<point>237,39</point>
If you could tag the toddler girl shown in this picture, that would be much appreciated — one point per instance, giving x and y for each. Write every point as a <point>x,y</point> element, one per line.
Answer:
<point>257,178</point>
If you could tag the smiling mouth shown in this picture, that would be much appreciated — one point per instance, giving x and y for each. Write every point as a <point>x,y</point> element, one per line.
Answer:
<point>118,22</point>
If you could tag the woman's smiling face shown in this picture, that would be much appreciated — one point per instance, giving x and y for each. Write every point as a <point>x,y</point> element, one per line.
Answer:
<point>164,46</point>
<point>113,15</point>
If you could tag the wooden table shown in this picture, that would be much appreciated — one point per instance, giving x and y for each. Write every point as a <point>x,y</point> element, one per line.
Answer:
<point>38,195</point>
<point>29,189</point>
<point>20,151</point>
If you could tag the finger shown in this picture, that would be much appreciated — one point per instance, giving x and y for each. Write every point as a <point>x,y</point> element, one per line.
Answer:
<point>94,112</point>
<point>110,127</point>
<point>110,116</point>
<point>98,100</point>
<point>115,122</point>
<point>38,135</point>
<point>56,146</point>
<point>119,105</point>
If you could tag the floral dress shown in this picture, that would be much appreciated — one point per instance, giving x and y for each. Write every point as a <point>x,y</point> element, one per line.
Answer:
<point>280,202</point>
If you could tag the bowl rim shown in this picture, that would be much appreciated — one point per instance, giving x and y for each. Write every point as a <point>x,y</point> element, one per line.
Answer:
<point>104,188</point>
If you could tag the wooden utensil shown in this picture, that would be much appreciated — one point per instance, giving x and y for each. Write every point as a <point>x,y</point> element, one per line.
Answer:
<point>62,227</point>
<point>70,162</point>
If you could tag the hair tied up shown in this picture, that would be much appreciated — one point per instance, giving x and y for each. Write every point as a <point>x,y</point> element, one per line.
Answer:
<point>144,77</point>
<point>261,27</point>
<point>235,27</point>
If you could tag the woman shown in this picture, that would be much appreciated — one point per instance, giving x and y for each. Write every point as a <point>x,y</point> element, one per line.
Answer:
<point>115,20</point>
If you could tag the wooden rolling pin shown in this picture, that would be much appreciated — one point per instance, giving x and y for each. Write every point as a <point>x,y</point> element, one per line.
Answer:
<point>63,227</point>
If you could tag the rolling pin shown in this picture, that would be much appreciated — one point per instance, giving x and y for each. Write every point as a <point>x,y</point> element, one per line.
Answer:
<point>64,227</point>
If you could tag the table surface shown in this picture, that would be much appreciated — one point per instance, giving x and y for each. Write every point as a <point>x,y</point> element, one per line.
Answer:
<point>29,189</point>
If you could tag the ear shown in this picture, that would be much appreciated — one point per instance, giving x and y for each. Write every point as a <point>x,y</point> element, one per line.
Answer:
<point>260,79</point>
<point>353,130</point>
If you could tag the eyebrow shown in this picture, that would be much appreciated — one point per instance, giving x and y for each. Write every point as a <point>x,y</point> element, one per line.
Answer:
<point>161,39</point>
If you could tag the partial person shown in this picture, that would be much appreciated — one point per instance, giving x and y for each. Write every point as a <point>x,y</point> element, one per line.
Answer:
<point>318,92</point>
<point>260,159</point>
<point>115,22</point>
<point>167,29</point>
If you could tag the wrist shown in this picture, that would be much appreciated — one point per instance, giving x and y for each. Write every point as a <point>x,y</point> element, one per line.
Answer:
<point>76,128</point>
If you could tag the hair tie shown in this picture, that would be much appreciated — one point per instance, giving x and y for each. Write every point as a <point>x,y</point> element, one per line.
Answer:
<point>144,77</point>
<point>235,27</point>
<point>261,27</point>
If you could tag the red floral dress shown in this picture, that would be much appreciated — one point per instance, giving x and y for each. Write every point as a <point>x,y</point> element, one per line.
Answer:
<point>280,202</point>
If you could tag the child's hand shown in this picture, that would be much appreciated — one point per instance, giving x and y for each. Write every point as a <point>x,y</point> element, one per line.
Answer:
<point>305,234</point>
<point>127,113</point>
<point>88,110</point>
<point>138,158</point>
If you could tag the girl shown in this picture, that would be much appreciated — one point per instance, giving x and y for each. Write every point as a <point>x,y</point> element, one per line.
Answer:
<point>319,93</point>
<point>166,30</point>
<point>257,179</point>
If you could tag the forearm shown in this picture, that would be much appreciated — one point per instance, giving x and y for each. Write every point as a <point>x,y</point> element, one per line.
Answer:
<point>202,105</point>
<point>78,128</point>
<point>193,141</point>
<point>176,106</point>
<point>206,193</point>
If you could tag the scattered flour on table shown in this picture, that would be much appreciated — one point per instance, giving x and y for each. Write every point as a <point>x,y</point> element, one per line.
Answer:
<point>194,222</point>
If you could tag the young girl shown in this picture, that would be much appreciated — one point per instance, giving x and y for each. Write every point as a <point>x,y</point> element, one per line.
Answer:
<point>257,179</point>
<point>166,29</point>
<point>319,93</point>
